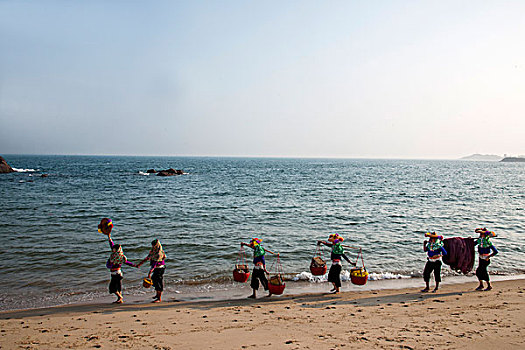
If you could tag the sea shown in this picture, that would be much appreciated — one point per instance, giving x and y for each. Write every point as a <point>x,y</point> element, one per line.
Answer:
<point>52,254</point>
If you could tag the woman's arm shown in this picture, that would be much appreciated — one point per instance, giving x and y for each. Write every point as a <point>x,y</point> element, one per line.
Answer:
<point>269,251</point>
<point>246,245</point>
<point>325,243</point>
<point>348,260</point>
<point>129,263</point>
<point>494,251</point>
<point>425,246</point>
<point>111,244</point>
<point>443,251</point>
<point>143,261</point>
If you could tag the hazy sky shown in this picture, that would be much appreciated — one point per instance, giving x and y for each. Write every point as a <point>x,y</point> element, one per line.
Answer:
<point>373,79</point>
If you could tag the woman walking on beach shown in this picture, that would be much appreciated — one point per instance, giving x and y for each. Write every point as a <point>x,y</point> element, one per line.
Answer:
<point>486,250</point>
<point>434,249</point>
<point>156,257</point>
<point>338,252</point>
<point>114,264</point>
<point>259,268</point>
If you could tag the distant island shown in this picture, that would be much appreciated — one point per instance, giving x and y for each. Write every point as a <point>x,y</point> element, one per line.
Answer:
<point>513,159</point>
<point>484,157</point>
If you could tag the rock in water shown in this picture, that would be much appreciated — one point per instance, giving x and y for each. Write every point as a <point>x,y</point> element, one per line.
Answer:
<point>170,172</point>
<point>4,167</point>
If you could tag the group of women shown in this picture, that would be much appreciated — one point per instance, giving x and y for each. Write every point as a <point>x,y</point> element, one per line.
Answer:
<point>433,247</point>
<point>156,257</point>
<point>435,251</point>
<point>259,265</point>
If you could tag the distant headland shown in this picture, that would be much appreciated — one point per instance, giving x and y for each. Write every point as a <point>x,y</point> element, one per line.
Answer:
<point>494,158</point>
<point>483,157</point>
<point>514,159</point>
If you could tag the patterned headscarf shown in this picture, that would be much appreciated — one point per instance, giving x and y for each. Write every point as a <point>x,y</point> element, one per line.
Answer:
<point>484,242</point>
<point>118,257</point>
<point>436,245</point>
<point>156,253</point>
<point>484,237</point>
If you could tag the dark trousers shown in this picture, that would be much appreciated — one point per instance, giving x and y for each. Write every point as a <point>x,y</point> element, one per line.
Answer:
<point>115,285</point>
<point>259,275</point>
<point>158,279</point>
<point>482,272</point>
<point>334,275</point>
<point>432,266</point>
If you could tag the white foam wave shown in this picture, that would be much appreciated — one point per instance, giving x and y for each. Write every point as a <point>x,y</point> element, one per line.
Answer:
<point>386,276</point>
<point>143,173</point>
<point>345,276</point>
<point>24,170</point>
<point>307,276</point>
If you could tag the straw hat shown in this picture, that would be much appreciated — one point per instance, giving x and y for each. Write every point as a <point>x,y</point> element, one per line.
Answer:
<point>334,238</point>
<point>432,235</point>
<point>105,226</point>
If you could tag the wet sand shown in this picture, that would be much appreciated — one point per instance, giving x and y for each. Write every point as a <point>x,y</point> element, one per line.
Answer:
<point>455,317</point>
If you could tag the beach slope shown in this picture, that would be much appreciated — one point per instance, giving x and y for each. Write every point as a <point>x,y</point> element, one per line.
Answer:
<point>455,317</point>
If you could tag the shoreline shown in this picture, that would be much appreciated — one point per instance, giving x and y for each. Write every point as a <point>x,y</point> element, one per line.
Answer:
<point>385,318</point>
<point>239,291</point>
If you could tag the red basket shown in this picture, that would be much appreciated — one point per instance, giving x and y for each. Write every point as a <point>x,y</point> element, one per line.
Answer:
<point>240,276</point>
<point>315,267</point>
<point>318,271</point>
<point>241,272</point>
<point>359,280</point>
<point>276,284</point>
<point>276,289</point>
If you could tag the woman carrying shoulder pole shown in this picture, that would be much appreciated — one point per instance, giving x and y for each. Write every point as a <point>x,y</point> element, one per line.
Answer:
<point>338,252</point>
<point>157,259</point>
<point>259,268</point>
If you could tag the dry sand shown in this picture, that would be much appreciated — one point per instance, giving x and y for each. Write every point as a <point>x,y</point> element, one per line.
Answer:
<point>455,317</point>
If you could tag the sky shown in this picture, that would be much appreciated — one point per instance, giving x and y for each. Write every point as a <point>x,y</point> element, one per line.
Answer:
<point>347,79</point>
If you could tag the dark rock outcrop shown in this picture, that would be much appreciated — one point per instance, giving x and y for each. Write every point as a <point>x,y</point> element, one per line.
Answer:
<point>4,167</point>
<point>170,172</point>
<point>151,171</point>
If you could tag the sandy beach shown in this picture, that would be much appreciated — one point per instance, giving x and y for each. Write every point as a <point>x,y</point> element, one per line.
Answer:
<point>456,316</point>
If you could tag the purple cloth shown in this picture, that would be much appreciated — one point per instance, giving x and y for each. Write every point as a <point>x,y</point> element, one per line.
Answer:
<point>460,255</point>
<point>155,264</point>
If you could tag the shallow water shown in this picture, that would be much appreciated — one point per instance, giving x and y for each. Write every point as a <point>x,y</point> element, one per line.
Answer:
<point>52,253</point>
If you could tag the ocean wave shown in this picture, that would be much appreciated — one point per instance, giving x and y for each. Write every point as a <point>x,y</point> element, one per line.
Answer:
<point>386,276</point>
<point>143,173</point>
<point>345,276</point>
<point>307,276</point>
<point>25,170</point>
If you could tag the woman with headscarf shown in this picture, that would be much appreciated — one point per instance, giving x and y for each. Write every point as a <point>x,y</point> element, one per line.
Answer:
<point>338,252</point>
<point>435,251</point>
<point>486,250</point>
<point>114,264</point>
<point>259,268</point>
<point>156,257</point>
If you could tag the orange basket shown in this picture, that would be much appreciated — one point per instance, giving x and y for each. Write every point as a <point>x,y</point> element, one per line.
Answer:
<point>147,282</point>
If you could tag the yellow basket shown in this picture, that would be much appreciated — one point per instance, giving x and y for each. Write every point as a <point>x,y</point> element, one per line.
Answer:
<point>147,282</point>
